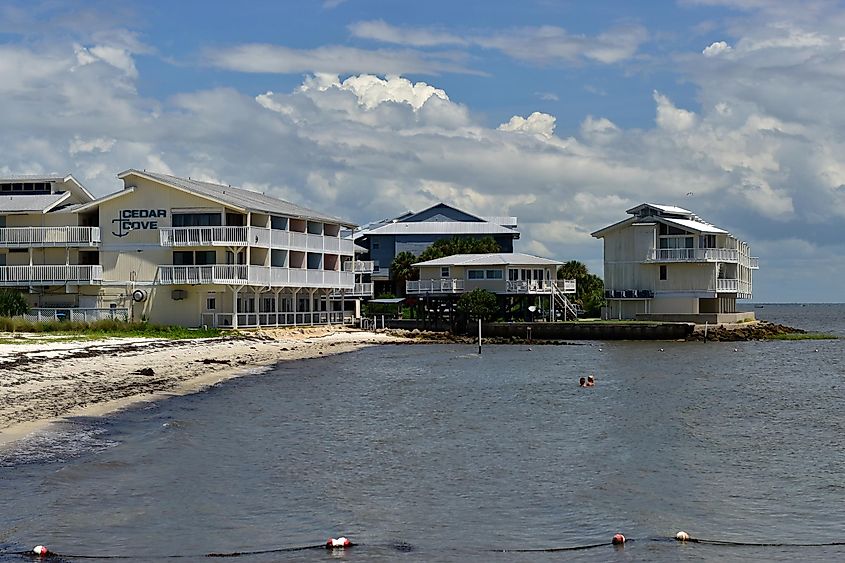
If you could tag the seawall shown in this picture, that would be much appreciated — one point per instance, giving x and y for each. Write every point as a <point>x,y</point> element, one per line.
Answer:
<point>585,330</point>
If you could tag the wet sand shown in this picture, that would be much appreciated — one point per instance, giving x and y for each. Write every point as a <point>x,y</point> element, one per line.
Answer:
<point>43,380</point>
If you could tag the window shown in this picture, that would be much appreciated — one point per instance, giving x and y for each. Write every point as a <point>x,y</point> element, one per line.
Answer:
<point>205,257</point>
<point>662,272</point>
<point>211,302</point>
<point>183,258</point>
<point>484,274</point>
<point>279,223</point>
<point>513,274</point>
<point>444,271</point>
<point>234,220</point>
<point>2,259</point>
<point>196,219</point>
<point>707,241</point>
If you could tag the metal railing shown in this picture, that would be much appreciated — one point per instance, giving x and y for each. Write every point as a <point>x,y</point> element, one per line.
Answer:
<point>240,274</point>
<point>86,315</point>
<point>434,286</point>
<point>50,275</point>
<point>49,236</point>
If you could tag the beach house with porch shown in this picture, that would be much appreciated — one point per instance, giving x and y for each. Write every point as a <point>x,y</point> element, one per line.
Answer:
<point>518,280</point>
<point>666,263</point>
<point>415,231</point>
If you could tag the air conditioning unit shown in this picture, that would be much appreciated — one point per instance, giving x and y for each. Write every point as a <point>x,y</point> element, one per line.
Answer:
<point>139,296</point>
<point>178,294</point>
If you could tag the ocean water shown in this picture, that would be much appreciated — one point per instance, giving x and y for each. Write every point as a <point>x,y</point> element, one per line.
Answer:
<point>432,453</point>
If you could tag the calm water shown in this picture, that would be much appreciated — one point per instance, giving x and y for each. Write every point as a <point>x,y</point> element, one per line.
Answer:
<point>448,455</point>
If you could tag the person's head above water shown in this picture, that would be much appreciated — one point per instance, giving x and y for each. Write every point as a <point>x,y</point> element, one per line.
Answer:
<point>582,381</point>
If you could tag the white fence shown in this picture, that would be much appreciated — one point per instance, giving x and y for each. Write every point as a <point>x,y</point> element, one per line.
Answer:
<point>75,314</point>
<point>50,275</point>
<point>255,320</point>
<point>540,286</point>
<point>49,236</point>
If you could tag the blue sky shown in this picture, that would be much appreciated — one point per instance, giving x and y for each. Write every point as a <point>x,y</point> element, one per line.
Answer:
<point>564,114</point>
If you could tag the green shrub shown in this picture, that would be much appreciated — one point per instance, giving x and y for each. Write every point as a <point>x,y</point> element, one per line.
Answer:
<point>12,303</point>
<point>478,304</point>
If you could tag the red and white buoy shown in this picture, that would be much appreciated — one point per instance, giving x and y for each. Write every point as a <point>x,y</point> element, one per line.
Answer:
<point>618,539</point>
<point>338,543</point>
<point>40,550</point>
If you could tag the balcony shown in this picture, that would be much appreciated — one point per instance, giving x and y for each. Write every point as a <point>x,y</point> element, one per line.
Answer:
<point>50,275</point>
<point>359,266</point>
<point>17,237</point>
<point>693,255</point>
<point>360,290</point>
<point>252,236</point>
<point>540,286</point>
<point>434,286</point>
<point>733,286</point>
<point>239,274</point>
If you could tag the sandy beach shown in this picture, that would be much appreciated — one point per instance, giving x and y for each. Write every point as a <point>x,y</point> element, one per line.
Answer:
<point>42,380</point>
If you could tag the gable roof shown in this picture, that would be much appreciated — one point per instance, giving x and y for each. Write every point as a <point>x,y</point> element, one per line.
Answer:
<point>246,200</point>
<point>410,215</point>
<point>440,228</point>
<point>54,178</point>
<point>31,203</point>
<point>689,221</point>
<point>493,259</point>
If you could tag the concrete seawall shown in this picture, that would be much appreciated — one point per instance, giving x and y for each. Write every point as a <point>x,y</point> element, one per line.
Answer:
<point>590,331</point>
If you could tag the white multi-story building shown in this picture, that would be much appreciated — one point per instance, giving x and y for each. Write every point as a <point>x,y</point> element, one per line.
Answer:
<point>173,251</point>
<point>666,263</point>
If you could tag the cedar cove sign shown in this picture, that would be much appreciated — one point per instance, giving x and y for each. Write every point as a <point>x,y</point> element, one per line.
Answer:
<point>137,220</point>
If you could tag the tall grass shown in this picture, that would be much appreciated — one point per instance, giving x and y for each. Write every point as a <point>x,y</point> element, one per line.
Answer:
<point>105,328</point>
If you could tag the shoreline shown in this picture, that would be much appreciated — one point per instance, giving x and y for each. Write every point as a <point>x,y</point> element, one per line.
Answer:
<point>44,381</point>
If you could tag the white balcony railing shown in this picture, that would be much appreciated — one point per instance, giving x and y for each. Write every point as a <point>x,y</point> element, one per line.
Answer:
<point>360,290</point>
<point>566,286</point>
<point>253,236</point>
<point>434,286</point>
<point>239,274</point>
<point>732,286</point>
<point>358,266</point>
<point>49,236</point>
<point>693,255</point>
<point>753,262</point>
<point>50,275</point>
<point>203,236</point>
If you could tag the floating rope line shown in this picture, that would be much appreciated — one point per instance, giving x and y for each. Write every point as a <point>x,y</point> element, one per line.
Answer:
<point>752,544</point>
<point>339,544</point>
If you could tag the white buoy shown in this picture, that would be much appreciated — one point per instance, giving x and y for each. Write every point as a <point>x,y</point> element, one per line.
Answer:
<point>40,550</point>
<point>682,536</point>
<point>340,542</point>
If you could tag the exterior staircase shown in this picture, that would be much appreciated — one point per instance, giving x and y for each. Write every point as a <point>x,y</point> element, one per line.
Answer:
<point>562,303</point>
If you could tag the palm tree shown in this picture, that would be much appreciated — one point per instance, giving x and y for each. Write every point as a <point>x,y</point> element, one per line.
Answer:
<point>402,270</point>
